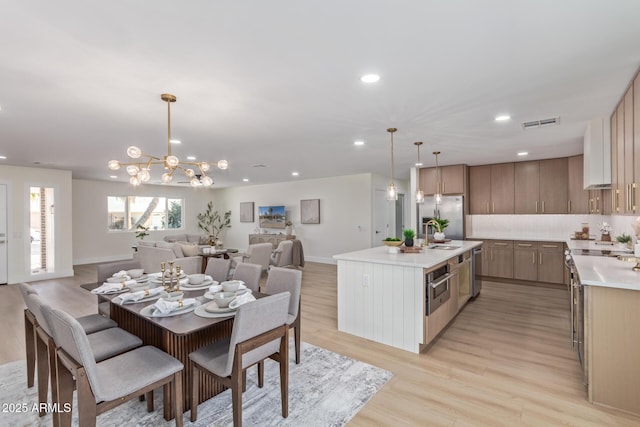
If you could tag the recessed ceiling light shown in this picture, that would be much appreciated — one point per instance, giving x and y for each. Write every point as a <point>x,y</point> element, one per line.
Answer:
<point>245,179</point>
<point>370,78</point>
<point>3,157</point>
<point>113,176</point>
<point>358,143</point>
<point>503,118</point>
<point>175,141</point>
<point>294,174</point>
<point>523,153</point>
<point>191,157</point>
<point>419,164</point>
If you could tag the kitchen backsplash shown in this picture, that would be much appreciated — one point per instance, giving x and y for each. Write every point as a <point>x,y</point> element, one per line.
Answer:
<point>556,227</point>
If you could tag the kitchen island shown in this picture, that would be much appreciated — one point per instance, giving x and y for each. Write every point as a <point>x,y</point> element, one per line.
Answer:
<point>383,296</point>
<point>610,307</point>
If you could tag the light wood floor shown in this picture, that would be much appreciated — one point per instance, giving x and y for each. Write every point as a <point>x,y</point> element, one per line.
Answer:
<point>504,361</point>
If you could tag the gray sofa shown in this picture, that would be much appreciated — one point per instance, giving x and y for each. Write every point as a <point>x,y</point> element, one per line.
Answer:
<point>151,254</point>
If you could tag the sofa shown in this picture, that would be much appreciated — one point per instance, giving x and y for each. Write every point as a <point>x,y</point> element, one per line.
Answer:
<point>200,239</point>
<point>151,254</point>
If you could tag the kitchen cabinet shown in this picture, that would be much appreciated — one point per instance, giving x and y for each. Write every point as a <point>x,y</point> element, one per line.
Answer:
<point>551,262</point>
<point>452,180</point>
<point>580,200</point>
<point>541,186</point>
<point>620,193</point>
<point>615,207</point>
<point>635,185</point>
<point>628,151</point>
<point>525,260</point>
<point>491,189</point>
<point>499,261</point>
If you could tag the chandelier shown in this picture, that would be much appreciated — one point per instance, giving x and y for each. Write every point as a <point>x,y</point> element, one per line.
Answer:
<point>392,191</point>
<point>419,192</point>
<point>438,194</point>
<point>139,169</point>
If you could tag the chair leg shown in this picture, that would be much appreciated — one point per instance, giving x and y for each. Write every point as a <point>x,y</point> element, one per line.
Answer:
<point>261,373</point>
<point>195,397</point>
<point>177,393</point>
<point>87,408</point>
<point>236,399</point>
<point>149,398</point>
<point>53,374</point>
<point>43,375</point>
<point>29,339</point>
<point>296,334</point>
<point>65,395</point>
<point>284,373</point>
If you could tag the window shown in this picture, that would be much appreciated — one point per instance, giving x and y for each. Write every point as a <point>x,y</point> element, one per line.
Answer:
<point>41,229</point>
<point>158,213</point>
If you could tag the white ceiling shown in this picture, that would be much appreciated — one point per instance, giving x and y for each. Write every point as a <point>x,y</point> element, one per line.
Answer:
<point>277,83</point>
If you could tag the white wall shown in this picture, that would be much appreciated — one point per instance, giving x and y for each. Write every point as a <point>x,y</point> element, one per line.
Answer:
<point>345,213</point>
<point>92,242</point>
<point>19,180</point>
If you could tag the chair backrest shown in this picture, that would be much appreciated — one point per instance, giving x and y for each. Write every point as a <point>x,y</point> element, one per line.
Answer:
<point>285,280</point>
<point>106,270</point>
<point>253,319</point>
<point>260,253</point>
<point>283,254</point>
<point>69,335</point>
<point>35,305</point>
<point>218,268</point>
<point>26,289</point>
<point>250,274</point>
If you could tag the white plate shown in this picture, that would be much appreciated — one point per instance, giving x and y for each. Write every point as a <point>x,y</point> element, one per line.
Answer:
<point>150,311</point>
<point>212,307</point>
<point>114,291</point>
<point>143,278</point>
<point>207,283</point>
<point>159,275</point>
<point>209,295</point>
<point>200,311</point>
<point>116,300</point>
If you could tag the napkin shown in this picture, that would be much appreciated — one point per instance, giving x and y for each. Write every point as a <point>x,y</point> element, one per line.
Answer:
<point>136,296</point>
<point>242,299</point>
<point>166,307</point>
<point>120,273</point>
<point>109,288</point>
<point>215,288</point>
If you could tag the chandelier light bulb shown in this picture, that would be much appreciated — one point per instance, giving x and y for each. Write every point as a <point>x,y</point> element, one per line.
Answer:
<point>419,196</point>
<point>204,166</point>
<point>190,173</point>
<point>134,152</point>
<point>114,165</point>
<point>223,164</point>
<point>133,170</point>
<point>195,182</point>
<point>392,192</point>
<point>144,175</point>
<point>172,161</point>
<point>207,181</point>
<point>166,178</point>
<point>134,181</point>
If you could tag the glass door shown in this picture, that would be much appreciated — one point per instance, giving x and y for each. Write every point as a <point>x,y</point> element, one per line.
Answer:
<point>41,230</point>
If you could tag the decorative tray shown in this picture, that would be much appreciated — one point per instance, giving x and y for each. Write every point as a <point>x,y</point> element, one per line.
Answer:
<point>410,250</point>
<point>441,241</point>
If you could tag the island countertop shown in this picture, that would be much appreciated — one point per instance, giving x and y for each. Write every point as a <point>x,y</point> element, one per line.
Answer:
<point>426,259</point>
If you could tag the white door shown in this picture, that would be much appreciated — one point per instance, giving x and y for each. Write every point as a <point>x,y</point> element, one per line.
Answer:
<point>383,217</point>
<point>3,234</point>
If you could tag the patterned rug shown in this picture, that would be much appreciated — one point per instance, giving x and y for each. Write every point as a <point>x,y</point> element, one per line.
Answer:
<point>326,389</point>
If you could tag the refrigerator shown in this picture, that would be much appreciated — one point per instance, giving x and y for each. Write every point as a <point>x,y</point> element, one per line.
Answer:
<point>449,207</point>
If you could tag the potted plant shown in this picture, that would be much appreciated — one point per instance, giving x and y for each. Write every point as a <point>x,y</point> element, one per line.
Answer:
<point>409,235</point>
<point>605,232</point>
<point>142,231</point>
<point>625,239</point>
<point>211,222</point>
<point>392,241</point>
<point>440,224</point>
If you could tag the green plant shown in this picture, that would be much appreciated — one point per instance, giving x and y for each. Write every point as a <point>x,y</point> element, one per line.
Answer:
<point>392,239</point>
<point>142,231</point>
<point>442,222</point>
<point>408,234</point>
<point>625,238</point>
<point>211,222</point>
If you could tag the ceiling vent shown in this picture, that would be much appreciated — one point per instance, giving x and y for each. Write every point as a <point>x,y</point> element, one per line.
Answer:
<point>541,123</point>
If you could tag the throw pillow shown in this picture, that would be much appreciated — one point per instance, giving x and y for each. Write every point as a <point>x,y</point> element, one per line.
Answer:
<point>190,250</point>
<point>204,239</point>
<point>177,252</point>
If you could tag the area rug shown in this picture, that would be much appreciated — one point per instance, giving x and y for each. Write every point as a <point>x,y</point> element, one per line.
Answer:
<point>326,389</point>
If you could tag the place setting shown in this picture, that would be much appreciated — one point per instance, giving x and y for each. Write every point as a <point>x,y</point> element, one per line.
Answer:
<point>196,282</point>
<point>172,304</point>
<point>139,296</point>
<point>226,298</point>
<point>116,284</point>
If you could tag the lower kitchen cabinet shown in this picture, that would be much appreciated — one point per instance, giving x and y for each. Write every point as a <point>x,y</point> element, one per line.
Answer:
<point>524,260</point>
<point>499,259</point>
<point>551,262</point>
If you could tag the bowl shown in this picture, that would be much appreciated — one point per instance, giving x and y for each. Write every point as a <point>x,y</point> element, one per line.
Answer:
<point>223,299</point>
<point>196,279</point>
<point>174,296</point>
<point>135,273</point>
<point>118,279</point>
<point>392,242</point>
<point>231,285</point>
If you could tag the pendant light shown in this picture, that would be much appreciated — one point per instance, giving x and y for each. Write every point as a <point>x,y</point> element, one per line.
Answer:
<point>392,191</point>
<point>438,194</point>
<point>419,192</point>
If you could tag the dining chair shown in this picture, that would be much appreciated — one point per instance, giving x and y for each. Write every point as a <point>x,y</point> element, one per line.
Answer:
<point>104,385</point>
<point>287,280</point>
<point>218,269</point>
<point>91,323</point>
<point>250,274</point>
<point>258,253</point>
<point>106,270</point>
<point>104,344</point>
<point>259,332</point>
<point>282,256</point>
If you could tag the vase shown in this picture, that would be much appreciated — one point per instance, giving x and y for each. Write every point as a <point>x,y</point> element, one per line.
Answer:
<point>605,237</point>
<point>408,243</point>
<point>438,236</point>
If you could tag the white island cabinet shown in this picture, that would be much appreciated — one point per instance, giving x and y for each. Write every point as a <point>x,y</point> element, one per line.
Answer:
<point>382,295</point>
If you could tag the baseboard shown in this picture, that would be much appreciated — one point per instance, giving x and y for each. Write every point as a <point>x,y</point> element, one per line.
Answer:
<point>97,260</point>
<point>44,276</point>
<point>321,260</point>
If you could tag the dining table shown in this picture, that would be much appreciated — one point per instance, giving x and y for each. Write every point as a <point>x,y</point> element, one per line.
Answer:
<point>215,253</point>
<point>176,335</point>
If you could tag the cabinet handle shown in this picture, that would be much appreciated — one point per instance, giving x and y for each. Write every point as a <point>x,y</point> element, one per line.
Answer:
<point>569,206</point>
<point>536,206</point>
<point>443,190</point>
<point>540,258</point>
<point>543,206</point>
<point>493,207</point>
<point>525,245</point>
<point>633,197</point>
<point>488,211</point>
<point>549,246</point>
<point>589,204</point>
<point>617,200</point>
<point>534,257</point>
<point>597,204</point>
<point>626,206</point>
<point>500,244</point>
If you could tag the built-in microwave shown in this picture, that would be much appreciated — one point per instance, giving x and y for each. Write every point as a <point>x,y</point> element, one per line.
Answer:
<point>437,287</point>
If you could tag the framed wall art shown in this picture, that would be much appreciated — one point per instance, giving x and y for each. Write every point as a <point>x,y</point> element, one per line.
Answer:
<point>310,211</point>
<point>246,212</point>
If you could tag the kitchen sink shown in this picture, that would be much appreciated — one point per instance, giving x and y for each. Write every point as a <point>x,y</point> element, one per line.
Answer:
<point>443,247</point>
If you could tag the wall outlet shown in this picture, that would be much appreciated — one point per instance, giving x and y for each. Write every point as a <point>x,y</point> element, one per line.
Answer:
<point>365,280</point>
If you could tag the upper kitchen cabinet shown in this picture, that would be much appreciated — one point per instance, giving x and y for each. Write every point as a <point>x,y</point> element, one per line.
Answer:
<point>579,200</point>
<point>452,180</point>
<point>635,185</point>
<point>541,186</point>
<point>628,152</point>
<point>491,189</point>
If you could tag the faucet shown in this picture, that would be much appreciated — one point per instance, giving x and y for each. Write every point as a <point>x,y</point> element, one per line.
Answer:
<point>426,235</point>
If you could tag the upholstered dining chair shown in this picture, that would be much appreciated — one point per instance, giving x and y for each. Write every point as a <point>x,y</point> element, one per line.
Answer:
<point>250,274</point>
<point>282,256</point>
<point>287,280</point>
<point>91,323</point>
<point>106,270</point>
<point>218,268</point>
<point>258,253</point>
<point>104,344</point>
<point>259,332</point>
<point>104,385</point>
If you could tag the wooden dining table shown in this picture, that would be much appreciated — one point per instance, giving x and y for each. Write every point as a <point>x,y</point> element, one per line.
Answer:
<point>219,253</point>
<point>176,335</point>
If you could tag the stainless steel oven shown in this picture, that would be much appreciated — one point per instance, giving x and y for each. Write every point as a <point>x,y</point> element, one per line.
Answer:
<point>576,296</point>
<point>437,286</point>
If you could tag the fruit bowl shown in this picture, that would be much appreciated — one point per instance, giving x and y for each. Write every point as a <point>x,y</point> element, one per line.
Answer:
<point>392,242</point>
